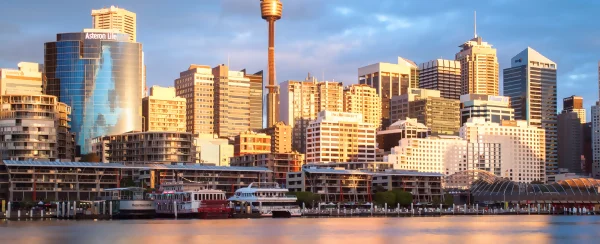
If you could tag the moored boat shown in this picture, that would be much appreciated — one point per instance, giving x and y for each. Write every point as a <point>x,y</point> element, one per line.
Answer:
<point>190,200</point>
<point>265,200</point>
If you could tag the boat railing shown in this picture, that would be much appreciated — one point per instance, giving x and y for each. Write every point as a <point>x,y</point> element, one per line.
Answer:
<point>268,185</point>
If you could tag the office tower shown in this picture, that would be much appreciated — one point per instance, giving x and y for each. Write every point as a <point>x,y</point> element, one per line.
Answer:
<point>390,80</point>
<point>249,142</point>
<point>136,147</point>
<point>271,11</point>
<point>163,110</point>
<point>281,137</point>
<point>301,101</point>
<point>399,108</point>
<point>212,150</point>
<point>340,137</point>
<point>115,18</point>
<point>588,152</point>
<point>479,67</point>
<point>35,127</point>
<point>575,104</point>
<point>440,115</point>
<point>232,101</point>
<point>442,75</point>
<point>27,80</point>
<point>409,128</point>
<point>522,157</point>
<point>364,100</point>
<point>492,108</point>
<point>256,99</point>
<point>218,100</point>
<point>596,138</point>
<point>570,142</point>
<point>531,85</point>
<point>103,84</point>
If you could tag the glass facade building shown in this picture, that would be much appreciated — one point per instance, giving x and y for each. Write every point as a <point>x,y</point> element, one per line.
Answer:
<point>100,75</point>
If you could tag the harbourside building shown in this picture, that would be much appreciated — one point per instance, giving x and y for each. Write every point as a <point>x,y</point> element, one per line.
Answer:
<point>364,100</point>
<point>442,75</point>
<point>27,80</point>
<point>35,127</point>
<point>281,137</point>
<point>340,137</point>
<point>250,142</point>
<point>278,163</point>
<point>103,85</point>
<point>301,102</point>
<point>434,154</point>
<point>151,147</point>
<point>492,108</point>
<point>332,185</point>
<point>377,166</point>
<point>163,110</point>
<point>212,150</point>
<point>530,83</point>
<point>424,187</point>
<point>390,80</point>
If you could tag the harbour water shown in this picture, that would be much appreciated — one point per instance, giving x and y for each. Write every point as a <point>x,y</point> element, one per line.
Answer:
<point>447,229</point>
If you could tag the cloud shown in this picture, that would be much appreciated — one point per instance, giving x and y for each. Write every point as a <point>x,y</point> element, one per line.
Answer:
<point>393,23</point>
<point>344,11</point>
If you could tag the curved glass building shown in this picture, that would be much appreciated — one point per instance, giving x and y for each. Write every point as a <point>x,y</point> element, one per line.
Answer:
<point>99,73</point>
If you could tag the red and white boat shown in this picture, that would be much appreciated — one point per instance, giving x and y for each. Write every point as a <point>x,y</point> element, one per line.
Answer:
<point>190,200</point>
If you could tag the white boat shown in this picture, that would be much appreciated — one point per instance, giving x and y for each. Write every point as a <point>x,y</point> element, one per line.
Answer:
<point>191,200</point>
<point>128,202</point>
<point>265,199</point>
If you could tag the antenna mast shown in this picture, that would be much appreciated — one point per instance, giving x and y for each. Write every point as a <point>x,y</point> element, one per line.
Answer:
<point>475,23</point>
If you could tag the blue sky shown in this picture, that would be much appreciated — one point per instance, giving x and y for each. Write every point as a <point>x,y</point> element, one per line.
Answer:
<point>331,38</point>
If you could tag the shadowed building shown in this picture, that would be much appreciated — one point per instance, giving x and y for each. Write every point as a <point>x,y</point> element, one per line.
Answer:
<point>442,75</point>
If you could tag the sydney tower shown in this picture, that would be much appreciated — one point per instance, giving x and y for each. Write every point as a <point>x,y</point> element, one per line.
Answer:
<point>271,11</point>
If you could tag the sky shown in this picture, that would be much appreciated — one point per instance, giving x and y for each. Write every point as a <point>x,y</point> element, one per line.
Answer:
<point>330,39</point>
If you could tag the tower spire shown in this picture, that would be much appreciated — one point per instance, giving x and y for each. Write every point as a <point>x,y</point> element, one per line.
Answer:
<point>475,23</point>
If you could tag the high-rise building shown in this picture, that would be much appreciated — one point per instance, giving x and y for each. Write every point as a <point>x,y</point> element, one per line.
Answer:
<point>440,115</point>
<point>103,84</point>
<point>35,127</point>
<point>364,100</point>
<point>256,99</point>
<point>27,80</point>
<point>115,18</point>
<point>399,108</point>
<point>281,137</point>
<point>340,137</point>
<point>163,110</point>
<point>442,75</point>
<point>521,145</point>
<point>570,142</point>
<point>531,85</point>
<point>433,154</point>
<point>492,108</point>
<point>409,128</point>
<point>271,11</point>
<point>218,100</point>
<point>249,142</point>
<point>588,152</point>
<point>575,104</point>
<point>301,101</point>
<point>479,67</point>
<point>596,138</point>
<point>390,80</point>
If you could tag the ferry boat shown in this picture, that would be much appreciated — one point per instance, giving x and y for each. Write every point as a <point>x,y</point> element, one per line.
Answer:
<point>266,200</point>
<point>128,202</point>
<point>191,200</point>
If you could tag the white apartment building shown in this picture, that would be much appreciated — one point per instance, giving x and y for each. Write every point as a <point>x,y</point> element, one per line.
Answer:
<point>431,154</point>
<point>340,137</point>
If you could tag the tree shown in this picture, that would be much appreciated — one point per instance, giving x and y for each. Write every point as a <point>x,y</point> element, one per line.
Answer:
<point>306,197</point>
<point>379,188</point>
<point>436,201</point>
<point>448,199</point>
<point>381,198</point>
<point>403,197</point>
<point>90,157</point>
<point>127,182</point>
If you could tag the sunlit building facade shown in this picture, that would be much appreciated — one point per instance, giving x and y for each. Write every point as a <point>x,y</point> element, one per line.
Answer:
<point>479,67</point>
<point>442,75</point>
<point>27,80</point>
<point>163,110</point>
<point>364,100</point>
<point>399,109</point>
<point>99,74</point>
<point>249,142</point>
<point>115,18</point>
<point>492,108</point>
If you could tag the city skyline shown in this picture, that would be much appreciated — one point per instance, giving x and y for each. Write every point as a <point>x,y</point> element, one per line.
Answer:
<point>231,33</point>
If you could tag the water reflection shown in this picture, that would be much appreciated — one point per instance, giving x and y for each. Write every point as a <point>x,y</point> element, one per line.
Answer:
<point>464,229</point>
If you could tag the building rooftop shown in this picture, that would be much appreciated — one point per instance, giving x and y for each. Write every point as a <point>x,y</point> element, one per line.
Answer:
<point>206,167</point>
<point>66,164</point>
<point>334,171</point>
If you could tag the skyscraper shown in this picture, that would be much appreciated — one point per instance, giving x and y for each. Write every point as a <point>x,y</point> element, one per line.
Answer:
<point>492,108</point>
<point>364,100</point>
<point>115,18</point>
<point>390,80</point>
<point>301,101</point>
<point>256,99</point>
<point>196,85</point>
<point>400,104</point>
<point>570,142</point>
<point>442,75</point>
<point>271,12</point>
<point>27,80</point>
<point>99,73</point>
<point>479,67</point>
<point>596,133</point>
<point>575,104</point>
<point>531,85</point>
<point>163,110</point>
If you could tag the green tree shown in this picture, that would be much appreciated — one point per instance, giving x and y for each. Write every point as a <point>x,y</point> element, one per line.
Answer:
<point>403,197</point>
<point>436,201</point>
<point>90,157</point>
<point>379,188</point>
<point>306,197</point>
<point>448,199</point>
<point>127,182</point>
<point>381,198</point>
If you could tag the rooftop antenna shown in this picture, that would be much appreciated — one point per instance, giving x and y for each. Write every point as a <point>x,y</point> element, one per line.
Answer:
<point>475,23</point>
